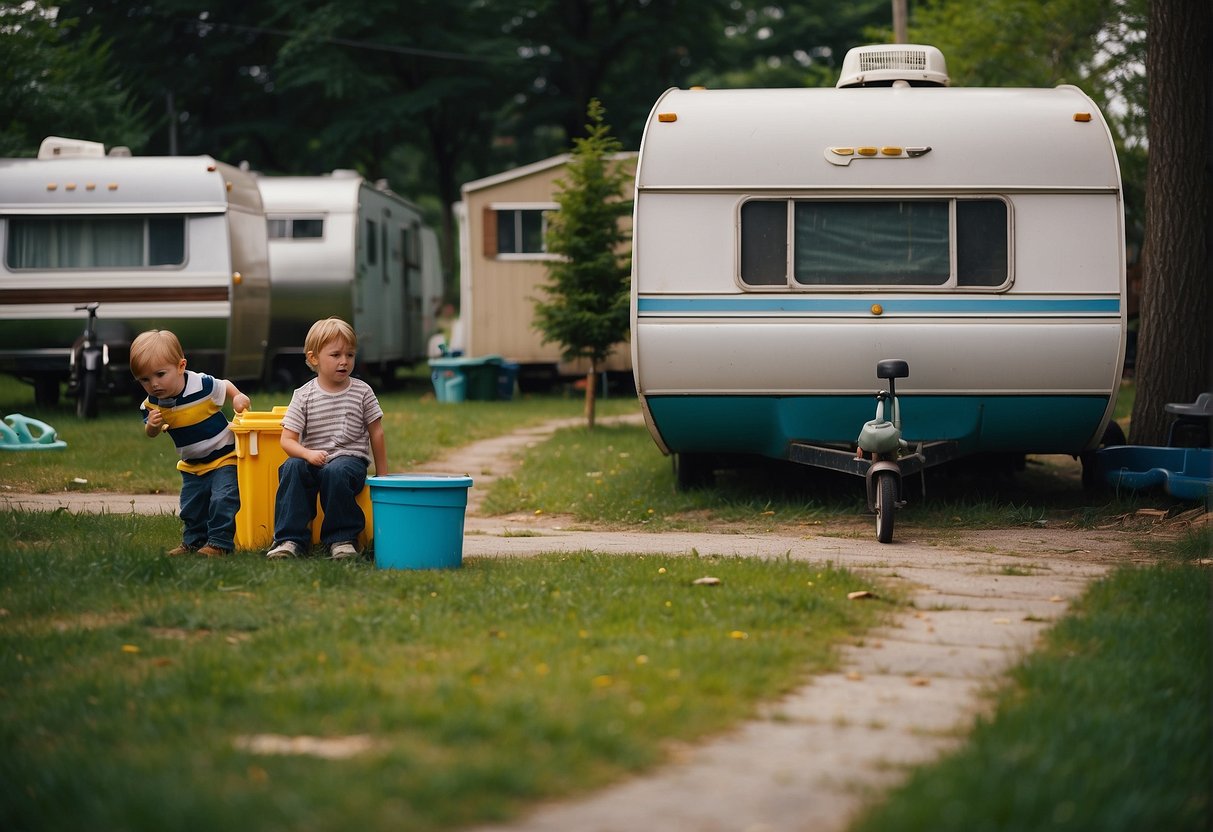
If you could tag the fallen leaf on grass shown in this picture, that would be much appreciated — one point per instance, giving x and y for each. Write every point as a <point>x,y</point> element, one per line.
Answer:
<point>861,595</point>
<point>329,748</point>
<point>706,580</point>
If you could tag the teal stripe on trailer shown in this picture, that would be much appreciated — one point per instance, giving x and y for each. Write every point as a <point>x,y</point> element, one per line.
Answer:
<point>764,425</point>
<point>1000,305</point>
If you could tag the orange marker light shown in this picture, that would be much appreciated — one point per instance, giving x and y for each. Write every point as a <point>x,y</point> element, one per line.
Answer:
<point>891,151</point>
<point>867,151</point>
<point>667,117</point>
<point>1082,116</point>
<point>877,309</point>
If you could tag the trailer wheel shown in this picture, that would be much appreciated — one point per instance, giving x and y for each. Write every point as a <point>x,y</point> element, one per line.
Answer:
<point>1092,476</point>
<point>886,504</point>
<point>693,471</point>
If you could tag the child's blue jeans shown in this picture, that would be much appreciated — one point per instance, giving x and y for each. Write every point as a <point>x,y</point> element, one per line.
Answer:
<point>338,483</point>
<point>209,503</point>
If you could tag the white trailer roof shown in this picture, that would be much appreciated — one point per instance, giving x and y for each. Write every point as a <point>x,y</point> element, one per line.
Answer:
<point>331,193</point>
<point>118,184</point>
<point>785,139</point>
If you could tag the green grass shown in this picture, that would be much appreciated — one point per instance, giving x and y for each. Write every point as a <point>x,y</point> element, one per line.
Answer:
<point>1105,729</point>
<point>132,682</point>
<point>111,453</point>
<point>615,476</point>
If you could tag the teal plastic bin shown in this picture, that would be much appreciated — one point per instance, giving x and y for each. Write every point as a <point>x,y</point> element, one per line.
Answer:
<point>419,520</point>
<point>479,377</point>
<point>449,385</point>
<point>507,379</point>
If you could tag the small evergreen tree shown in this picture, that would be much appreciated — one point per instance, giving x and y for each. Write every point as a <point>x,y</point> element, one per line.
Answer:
<point>586,310</point>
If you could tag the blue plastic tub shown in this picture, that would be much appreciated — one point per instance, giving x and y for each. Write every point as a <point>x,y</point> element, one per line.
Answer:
<point>419,520</point>
<point>1186,473</point>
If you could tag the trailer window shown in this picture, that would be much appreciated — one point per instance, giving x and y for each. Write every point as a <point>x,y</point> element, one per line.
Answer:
<point>846,243</point>
<point>295,228</point>
<point>372,242</point>
<point>95,242</point>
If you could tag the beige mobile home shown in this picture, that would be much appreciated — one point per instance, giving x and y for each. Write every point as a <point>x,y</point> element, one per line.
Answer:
<point>502,220</point>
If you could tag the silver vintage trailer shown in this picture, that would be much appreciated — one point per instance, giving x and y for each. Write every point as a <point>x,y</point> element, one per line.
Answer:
<point>169,242</point>
<point>342,246</point>
<point>183,243</point>
<point>788,240</point>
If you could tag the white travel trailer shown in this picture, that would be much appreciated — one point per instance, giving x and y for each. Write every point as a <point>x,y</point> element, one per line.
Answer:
<point>166,242</point>
<point>342,246</point>
<point>787,240</point>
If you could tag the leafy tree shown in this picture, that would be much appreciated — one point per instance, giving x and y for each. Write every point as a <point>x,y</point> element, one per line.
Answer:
<point>55,84</point>
<point>588,292</point>
<point>1174,361</point>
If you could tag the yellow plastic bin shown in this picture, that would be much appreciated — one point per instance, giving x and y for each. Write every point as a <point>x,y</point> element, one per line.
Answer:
<point>258,456</point>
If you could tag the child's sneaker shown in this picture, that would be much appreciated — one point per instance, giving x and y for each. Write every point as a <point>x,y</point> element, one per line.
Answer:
<point>209,551</point>
<point>285,549</point>
<point>182,549</point>
<point>341,551</point>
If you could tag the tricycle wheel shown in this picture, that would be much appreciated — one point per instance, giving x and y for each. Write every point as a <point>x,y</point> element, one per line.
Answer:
<point>886,504</point>
<point>86,396</point>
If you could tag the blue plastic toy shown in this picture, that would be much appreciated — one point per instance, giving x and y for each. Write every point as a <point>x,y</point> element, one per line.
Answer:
<point>1186,473</point>
<point>21,433</point>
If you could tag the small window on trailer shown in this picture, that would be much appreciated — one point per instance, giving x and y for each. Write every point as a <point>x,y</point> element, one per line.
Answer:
<point>96,242</point>
<point>903,242</point>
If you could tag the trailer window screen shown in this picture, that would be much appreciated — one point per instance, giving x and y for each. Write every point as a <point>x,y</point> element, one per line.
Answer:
<point>95,242</point>
<point>764,243</point>
<point>912,243</point>
<point>981,242</point>
<point>860,243</point>
<point>295,228</point>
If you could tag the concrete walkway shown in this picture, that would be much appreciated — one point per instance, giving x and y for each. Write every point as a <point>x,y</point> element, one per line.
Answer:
<point>903,695</point>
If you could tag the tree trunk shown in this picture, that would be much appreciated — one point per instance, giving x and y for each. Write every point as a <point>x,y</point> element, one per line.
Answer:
<point>1174,349</point>
<point>591,386</point>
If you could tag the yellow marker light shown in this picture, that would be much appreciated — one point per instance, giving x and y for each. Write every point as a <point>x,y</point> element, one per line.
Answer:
<point>891,151</point>
<point>70,186</point>
<point>867,151</point>
<point>91,186</point>
<point>667,117</point>
<point>1082,116</point>
<point>237,278</point>
<point>229,187</point>
<point>113,186</point>
<point>843,151</point>
<point>877,309</point>
<point>51,186</point>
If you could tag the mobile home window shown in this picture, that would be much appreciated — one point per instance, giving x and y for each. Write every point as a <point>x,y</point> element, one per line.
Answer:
<point>521,231</point>
<point>295,228</point>
<point>875,243</point>
<point>95,242</point>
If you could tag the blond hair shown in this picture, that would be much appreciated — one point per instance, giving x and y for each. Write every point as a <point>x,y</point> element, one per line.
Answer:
<point>322,332</point>
<point>155,347</point>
